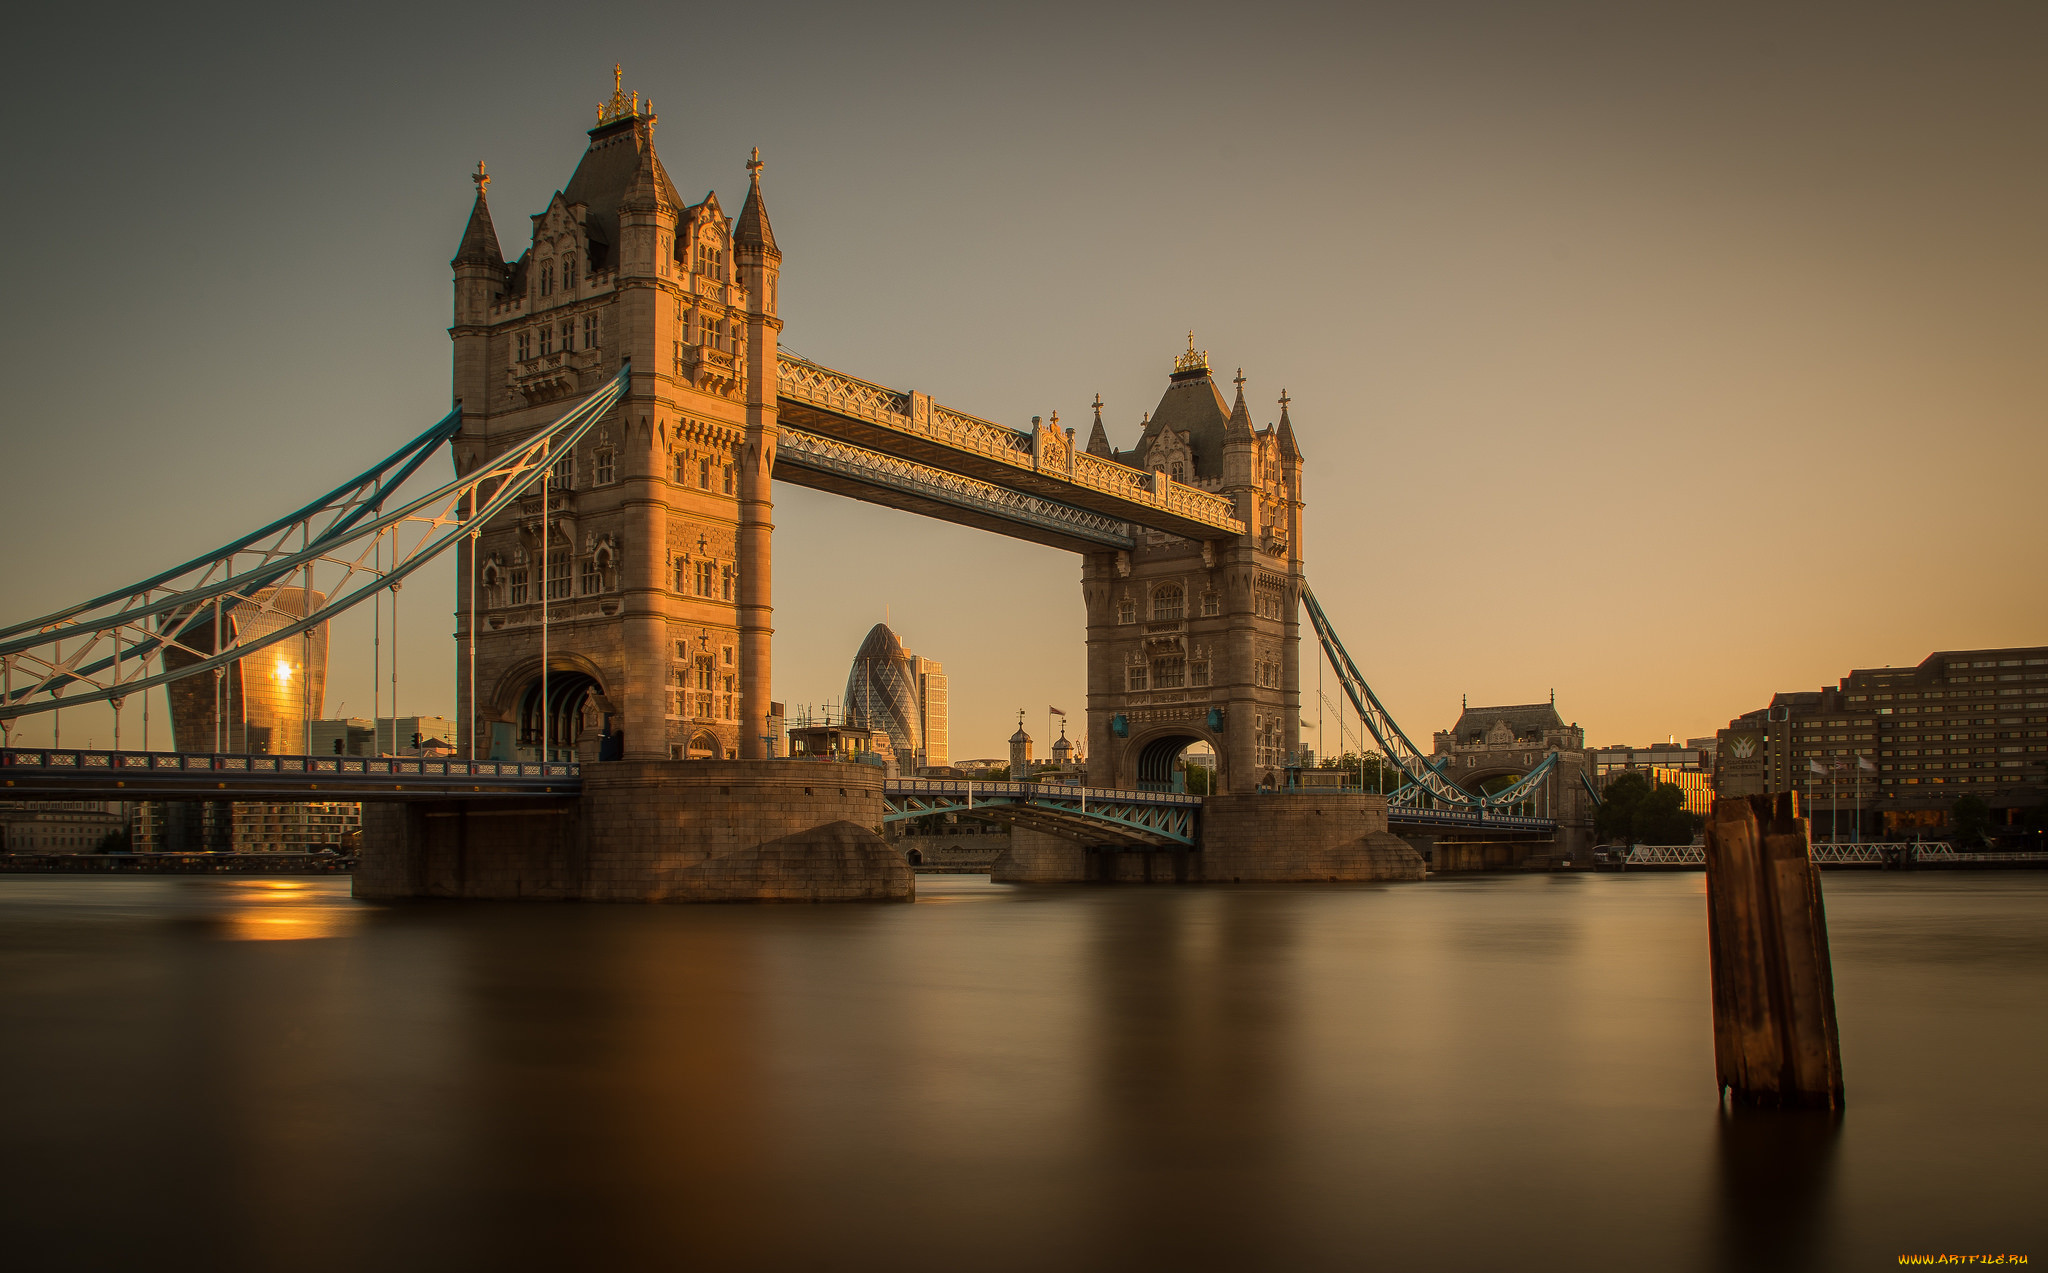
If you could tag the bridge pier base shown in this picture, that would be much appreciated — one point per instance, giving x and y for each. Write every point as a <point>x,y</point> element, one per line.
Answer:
<point>649,831</point>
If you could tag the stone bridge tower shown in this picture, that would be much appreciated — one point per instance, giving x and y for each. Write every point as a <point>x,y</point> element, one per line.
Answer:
<point>654,560</point>
<point>1199,642</point>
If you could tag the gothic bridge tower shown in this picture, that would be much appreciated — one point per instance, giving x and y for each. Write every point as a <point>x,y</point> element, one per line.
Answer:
<point>651,553</point>
<point>1198,642</point>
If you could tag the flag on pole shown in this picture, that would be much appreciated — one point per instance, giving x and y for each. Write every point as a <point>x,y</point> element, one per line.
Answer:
<point>1813,766</point>
<point>1055,711</point>
<point>1865,765</point>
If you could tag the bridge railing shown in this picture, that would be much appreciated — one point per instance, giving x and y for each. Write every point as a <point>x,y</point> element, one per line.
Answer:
<point>1470,818</point>
<point>1031,790</point>
<point>86,760</point>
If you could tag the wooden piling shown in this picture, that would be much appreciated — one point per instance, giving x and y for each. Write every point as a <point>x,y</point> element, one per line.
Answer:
<point>1767,936</point>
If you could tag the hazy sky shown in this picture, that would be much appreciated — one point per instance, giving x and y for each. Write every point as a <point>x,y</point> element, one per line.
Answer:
<point>1665,355</point>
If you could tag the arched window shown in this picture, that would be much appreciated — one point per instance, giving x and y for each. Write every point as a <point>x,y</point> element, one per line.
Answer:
<point>547,278</point>
<point>1127,611</point>
<point>605,468</point>
<point>569,271</point>
<point>1166,603</point>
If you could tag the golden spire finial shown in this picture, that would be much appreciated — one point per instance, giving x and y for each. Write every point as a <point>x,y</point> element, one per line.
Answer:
<point>481,178</point>
<point>623,105</point>
<point>1193,360</point>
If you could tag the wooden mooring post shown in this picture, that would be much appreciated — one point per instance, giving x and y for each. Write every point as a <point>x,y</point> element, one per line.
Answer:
<point>1767,936</point>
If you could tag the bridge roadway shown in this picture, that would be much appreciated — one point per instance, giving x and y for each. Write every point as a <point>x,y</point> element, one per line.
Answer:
<point>1131,818</point>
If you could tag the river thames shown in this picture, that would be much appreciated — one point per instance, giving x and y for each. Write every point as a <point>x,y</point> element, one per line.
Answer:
<point>1496,1072</point>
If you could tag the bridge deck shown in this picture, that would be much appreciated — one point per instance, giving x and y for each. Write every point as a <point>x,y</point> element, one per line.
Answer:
<point>48,774</point>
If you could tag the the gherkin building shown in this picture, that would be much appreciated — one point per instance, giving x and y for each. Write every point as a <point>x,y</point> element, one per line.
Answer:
<point>881,692</point>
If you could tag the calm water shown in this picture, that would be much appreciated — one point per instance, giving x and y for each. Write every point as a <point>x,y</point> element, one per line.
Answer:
<point>1507,1073</point>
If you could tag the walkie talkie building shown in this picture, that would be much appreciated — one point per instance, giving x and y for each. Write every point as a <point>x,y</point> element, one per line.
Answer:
<point>895,691</point>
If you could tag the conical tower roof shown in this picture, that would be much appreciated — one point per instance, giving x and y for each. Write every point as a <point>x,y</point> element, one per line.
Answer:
<point>480,238</point>
<point>1289,450</point>
<point>1098,437</point>
<point>1239,427</point>
<point>752,229</point>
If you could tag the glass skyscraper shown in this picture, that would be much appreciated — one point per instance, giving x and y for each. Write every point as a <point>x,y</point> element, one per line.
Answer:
<point>893,690</point>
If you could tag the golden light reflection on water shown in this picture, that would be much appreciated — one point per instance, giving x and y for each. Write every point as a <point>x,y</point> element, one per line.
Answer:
<point>283,910</point>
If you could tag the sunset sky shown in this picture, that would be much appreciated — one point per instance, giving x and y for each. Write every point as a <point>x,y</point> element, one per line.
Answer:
<point>1666,359</point>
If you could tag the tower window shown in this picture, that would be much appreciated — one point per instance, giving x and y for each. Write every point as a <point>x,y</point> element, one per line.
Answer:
<point>547,278</point>
<point>589,576</point>
<point>1169,673</point>
<point>682,463</point>
<point>725,583</point>
<point>1136,677</point>
<point>1210,605</point>
<point>728,479</point>
<point>704,474</point>
<point>569,272</point>
<point>518,587</point>
<point>1166,604</point>
<point>525,345</point>
<point>1198,672</point>
<point>605,468</point>
<point>547,341</point>
<point>1127,611</point>
<point>568,334</point>
<point>590,331</point>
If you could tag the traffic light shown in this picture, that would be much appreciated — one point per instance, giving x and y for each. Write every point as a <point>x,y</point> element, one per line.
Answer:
<point>415,742</point>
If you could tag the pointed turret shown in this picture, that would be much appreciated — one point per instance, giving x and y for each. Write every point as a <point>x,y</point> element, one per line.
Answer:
<point>753,230</point>
<point>480,238</point>
<point>1289,449</point>
<point>1098,437</point>
<point>650,185</point>
<point>1239,429</point>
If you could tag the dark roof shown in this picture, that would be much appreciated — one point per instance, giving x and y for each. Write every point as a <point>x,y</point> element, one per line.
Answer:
<point>881,643</point>
<point>607,172</point>
<point>1098,438</point>
<point>479,239</point>
<point>753,229</point>
<point>1191,405</point>
<point>1523,718</point>
<point>1289,449</point>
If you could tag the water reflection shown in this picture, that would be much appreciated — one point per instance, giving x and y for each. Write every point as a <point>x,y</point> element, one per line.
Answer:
<point>1498,1074</point>
<point>1776,1174</point>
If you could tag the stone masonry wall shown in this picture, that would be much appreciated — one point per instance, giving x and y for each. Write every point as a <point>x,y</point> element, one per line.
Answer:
<point>650,831</point>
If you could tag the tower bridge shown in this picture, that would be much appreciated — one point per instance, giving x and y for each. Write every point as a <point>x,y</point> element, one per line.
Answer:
<point>622,408</point>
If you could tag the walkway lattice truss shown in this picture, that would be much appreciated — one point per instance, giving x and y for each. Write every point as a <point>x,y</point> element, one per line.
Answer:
<point>1096,814</point>
<point>343,548</point>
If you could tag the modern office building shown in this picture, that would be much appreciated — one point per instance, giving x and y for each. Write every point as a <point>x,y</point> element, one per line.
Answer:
<point>892,690</point>
<point>1693,754</point>
<point>189,826</point>
<point>261,705</point>
<point>1902,744</point>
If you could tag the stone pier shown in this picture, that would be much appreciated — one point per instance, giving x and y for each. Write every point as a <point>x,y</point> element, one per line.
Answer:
<point>649,831</point>
<point>1295,837</point>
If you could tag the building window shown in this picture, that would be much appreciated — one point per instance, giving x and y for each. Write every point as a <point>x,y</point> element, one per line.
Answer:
<point>1211,604</point>
<point>725,583</point>
<point>1127,611</point>
<point>728,479</point>
<point>525,345</point>
<point>558,574</point>
<point>547,338</point>
<point>1198,672</point>
<point>590,576</point>
<point>1166,603</point>
<point>682,463</point>
<point>1169,673</point>
<point>707,579</point>
<point>1137,677</point>
<point>547,280</point>
<point>518,587</point>
<point>568,334</point>
<point>605,470</point>
<point>590,331</point>
<point>569,272</point>
<point>704,474</point>
<point>562,475</point>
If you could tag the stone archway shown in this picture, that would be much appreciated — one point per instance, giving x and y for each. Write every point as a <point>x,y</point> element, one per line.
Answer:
<point>569,716</point>
<point>1149,758</point>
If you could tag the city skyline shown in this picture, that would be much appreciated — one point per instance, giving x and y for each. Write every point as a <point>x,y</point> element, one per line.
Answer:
<point>1705,316</point>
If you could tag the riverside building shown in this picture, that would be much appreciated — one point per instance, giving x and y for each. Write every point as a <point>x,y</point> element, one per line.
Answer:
<point>1910,740</point>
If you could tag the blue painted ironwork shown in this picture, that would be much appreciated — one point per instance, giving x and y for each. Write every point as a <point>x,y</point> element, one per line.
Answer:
<point>1096,815</point>
<point>30,773</point>
<point>116,638</point>
<point>1425,779</point>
